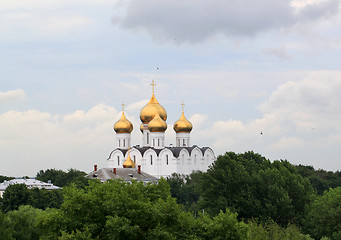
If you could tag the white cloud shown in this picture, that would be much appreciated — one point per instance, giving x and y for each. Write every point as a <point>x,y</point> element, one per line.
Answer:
<point>12,96</point>
<point>197,20</point>
<point>34,140</point>
<point>300,121</point>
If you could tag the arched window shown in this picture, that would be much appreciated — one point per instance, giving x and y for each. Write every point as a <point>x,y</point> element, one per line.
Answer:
<point>167,159</point>
<point>151,160</point>
<point>134,159</point>
<point>147,138</point>
<point>183,142</point>
<point>119,142</point>
<point>124,143</point>
<point>179,142</point>
<point>188,142</point>
<point>118,160</point>
<point>195,159</point>
<point>158,142</point>
<point>153,142</point>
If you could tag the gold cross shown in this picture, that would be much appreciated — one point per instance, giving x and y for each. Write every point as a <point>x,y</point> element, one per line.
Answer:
<point>182,104</point>
<point>123,106</point>
<point>153,85</point>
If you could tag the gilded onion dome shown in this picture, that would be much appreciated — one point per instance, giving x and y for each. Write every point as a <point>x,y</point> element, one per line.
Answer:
<point>183,125</point>
<point>123,125</point>
<point>128,163</point>
<point>141,127</point>
<point>157,124</point>
<point>152,108</point>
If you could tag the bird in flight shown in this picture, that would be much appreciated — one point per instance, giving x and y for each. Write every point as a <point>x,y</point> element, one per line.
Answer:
<point>261,133</point>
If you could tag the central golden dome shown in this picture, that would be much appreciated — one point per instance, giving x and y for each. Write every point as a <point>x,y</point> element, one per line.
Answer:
<point>157,124</point>
<point>183,125</point>
<point>123,125</point>
<point>152,109</point>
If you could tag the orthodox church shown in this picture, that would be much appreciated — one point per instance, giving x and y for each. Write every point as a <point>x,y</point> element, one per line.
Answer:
<point>153,157</point>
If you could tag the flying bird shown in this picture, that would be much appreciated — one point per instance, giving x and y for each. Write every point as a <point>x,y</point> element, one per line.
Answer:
<point>261,133</point>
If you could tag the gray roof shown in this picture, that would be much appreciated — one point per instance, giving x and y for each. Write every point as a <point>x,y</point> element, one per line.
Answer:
<point>29,182</point>
<point>175,150</point>
<point>126,174</point>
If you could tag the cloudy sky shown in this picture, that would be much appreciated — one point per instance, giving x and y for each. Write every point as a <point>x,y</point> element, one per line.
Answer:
<point>242,67</point>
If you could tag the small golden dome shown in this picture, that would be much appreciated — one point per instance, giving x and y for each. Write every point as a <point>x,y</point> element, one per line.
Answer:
<point>123,125</point>
<point>141,127</point>
<point>128,163</point>
<point>183,125</point>
<point>157,124</point>
<point>152,108</point>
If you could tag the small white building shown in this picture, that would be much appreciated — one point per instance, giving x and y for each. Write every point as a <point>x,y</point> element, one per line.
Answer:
<point>29,182</point>
<point>153,157</point>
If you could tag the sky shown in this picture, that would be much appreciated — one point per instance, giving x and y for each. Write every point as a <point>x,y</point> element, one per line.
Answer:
<point>241,67</point>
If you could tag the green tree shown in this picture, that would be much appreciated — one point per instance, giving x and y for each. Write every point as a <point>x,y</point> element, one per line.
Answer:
<point>272,231</point>
<point>186,189</point>
<point>22,223</point>
<point>320,179</point>
<point>14,196</point>
<point>3,178</point>
<point>324,216</point>
<point>254,187</point>
<point>61,178</point>
<point>42,198</point>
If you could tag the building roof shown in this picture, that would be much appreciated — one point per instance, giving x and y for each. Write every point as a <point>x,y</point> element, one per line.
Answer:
<point>29,182</point>
<point>126,174</point>
<point>175,150</point>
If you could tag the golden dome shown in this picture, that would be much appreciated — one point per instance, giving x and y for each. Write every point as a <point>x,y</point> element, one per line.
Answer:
<point>183,125</point>
<point>157,124</point>
<point>141,127</point>
<point>128,163</point>
<point>152,108</point>
<point>123,125</point>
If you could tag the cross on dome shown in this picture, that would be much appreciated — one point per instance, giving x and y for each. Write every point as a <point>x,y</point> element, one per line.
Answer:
<point>182,104</point>
<point>123,105</point>
<point>153,85</point>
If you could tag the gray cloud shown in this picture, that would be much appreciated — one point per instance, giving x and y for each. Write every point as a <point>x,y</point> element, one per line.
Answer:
<point>197,20</point>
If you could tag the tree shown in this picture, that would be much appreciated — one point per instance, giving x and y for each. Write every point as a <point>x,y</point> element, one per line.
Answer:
<point>42,198</point>
<point>323,218</point>
<point>61,178</point>
<point>3,178</point>
<point>254,187</point>
<point>320,179</point>
<point>186,189</point>
<point>22,223</point>
<point>14,196</point>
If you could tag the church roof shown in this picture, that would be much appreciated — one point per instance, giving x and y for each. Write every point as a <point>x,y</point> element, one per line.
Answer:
<point>126,174</point>
<point>29,182</point>
<point>175,150</point>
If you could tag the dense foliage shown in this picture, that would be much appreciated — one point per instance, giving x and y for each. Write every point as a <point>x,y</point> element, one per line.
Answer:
<point>3,178</point>
<point>320,179</point>
<point>241,196</point>
<point>120,210</point>
<point>17,195</point>
<point>61,178</point>
<point>324,216</point>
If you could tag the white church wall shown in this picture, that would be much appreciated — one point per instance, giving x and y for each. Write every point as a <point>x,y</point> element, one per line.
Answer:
<point>150,163</point>
<point>116,159</point>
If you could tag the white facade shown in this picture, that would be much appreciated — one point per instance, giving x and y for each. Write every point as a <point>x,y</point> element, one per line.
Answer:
<point>165,161</point>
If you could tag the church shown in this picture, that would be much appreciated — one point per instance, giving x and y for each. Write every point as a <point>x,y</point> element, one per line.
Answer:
<point>152,156</point>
